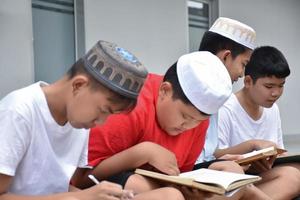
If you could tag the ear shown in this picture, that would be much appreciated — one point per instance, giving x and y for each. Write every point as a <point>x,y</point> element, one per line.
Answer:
<point>79,82</point>
<point>248,81</point>
<point>224,55</point>
<point>165,90</point>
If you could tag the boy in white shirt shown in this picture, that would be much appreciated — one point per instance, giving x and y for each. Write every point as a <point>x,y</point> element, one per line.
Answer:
<point>250,120</point>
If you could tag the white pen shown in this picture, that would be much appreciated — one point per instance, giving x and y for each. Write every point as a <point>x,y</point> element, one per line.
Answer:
<point>125,194</point>
<point>93,178</point>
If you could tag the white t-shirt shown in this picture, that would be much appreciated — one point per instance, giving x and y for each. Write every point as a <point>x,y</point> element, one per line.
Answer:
<point>211,141</point>
<point>236,126</point>
<point>40,154</point>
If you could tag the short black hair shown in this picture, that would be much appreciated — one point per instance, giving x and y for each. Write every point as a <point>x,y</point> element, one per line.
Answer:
<point>178,94</point>
<point>267,61</point>
<point>214,43</point>
<point>79,68</point>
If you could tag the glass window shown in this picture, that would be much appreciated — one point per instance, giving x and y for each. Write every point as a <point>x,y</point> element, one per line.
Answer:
<point>55,37</point>
<point>199,15</point>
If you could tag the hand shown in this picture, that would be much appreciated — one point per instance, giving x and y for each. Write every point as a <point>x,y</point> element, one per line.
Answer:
<point>194,194</point>
<point>231,157</point>
<point>162,159</point>
<point>127,195</point>
<point>104,191</point>
<point>262,165</point>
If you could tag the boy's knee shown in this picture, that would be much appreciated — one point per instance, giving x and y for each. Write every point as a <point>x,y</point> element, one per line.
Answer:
<point>291,177</point>
<point>172,193</point>
<point>140,184</point>
<point>228,166</point>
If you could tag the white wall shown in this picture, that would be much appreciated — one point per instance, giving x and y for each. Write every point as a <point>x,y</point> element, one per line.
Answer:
<point>155,31</point>
<point>276,23</point>
<point>16,54</point>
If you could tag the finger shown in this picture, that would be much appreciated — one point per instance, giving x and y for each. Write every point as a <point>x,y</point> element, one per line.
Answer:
<point>267,164</point>
<point>246,167</point>
<point>185,190</point>
<point>113,192</point>
<point>173,170</point>
<point>272,159</point>
<point>256,166</point>
<point>259,165</point>
<point>109,184</point>
<point>107,197</point>
<point>127,194</point>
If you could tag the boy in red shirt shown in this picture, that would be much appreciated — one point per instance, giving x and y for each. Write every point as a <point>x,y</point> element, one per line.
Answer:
<point>167,128</point>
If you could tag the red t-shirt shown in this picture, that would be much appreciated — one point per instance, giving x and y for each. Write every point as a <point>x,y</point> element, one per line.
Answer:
<point>123,131</point>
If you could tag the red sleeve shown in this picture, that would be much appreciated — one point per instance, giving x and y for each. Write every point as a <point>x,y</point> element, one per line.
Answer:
<point>196,147</point>
<point>119,132</point>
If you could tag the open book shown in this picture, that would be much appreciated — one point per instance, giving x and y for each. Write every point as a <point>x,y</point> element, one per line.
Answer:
<point>218,182</point>
<point>259,154</point>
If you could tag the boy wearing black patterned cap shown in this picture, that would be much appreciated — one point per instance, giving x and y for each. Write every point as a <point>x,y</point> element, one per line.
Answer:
<point>44,126</point>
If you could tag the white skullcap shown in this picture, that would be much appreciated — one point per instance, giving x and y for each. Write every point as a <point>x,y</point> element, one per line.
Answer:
<point>204,80</point>
<point>235,30</point>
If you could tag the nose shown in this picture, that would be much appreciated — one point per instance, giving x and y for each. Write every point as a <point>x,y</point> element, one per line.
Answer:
<point>276,92</point>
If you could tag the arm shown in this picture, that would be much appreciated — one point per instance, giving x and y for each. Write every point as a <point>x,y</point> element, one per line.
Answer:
<point>103,191</point>
<point>131,158</point>
<point>244,147</point>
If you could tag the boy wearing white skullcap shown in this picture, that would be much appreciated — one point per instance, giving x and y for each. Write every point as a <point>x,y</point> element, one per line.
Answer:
<point>232,42</point>
<point>44,127</point>
<point>166,130</point>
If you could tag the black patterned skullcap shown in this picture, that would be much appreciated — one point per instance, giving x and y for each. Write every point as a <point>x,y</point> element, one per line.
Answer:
<point>116,68</point>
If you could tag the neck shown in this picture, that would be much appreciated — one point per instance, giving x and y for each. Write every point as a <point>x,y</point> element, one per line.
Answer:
<point>253,110</point>
<point>56,96</point>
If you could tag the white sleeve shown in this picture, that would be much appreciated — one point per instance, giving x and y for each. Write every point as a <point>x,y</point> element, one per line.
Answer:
<point>15,138</point>
<point>224,128</point>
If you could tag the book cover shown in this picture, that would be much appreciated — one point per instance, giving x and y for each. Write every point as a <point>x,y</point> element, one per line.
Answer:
<point>218,182</point>
<point>259,154</point>
<point>293,158</point>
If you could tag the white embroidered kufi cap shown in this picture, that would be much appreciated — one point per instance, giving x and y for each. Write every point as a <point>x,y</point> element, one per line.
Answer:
<point>235,30</point>
<point>204,80</point>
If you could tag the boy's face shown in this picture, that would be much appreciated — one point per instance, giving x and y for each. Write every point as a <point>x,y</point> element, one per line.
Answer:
<point>266,90</point>
<point>236,66</point>
<point>174,116</point>
<point>90,107</point>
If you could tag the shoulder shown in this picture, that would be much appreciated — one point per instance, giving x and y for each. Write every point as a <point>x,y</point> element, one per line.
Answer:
<point>230,106</point>
<point>18,97</point>
<point>23,101</point>
<point>149,93</point>
<point>151,85</point>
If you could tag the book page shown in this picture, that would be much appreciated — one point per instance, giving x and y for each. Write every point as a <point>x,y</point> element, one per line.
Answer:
<point>221,178</point>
